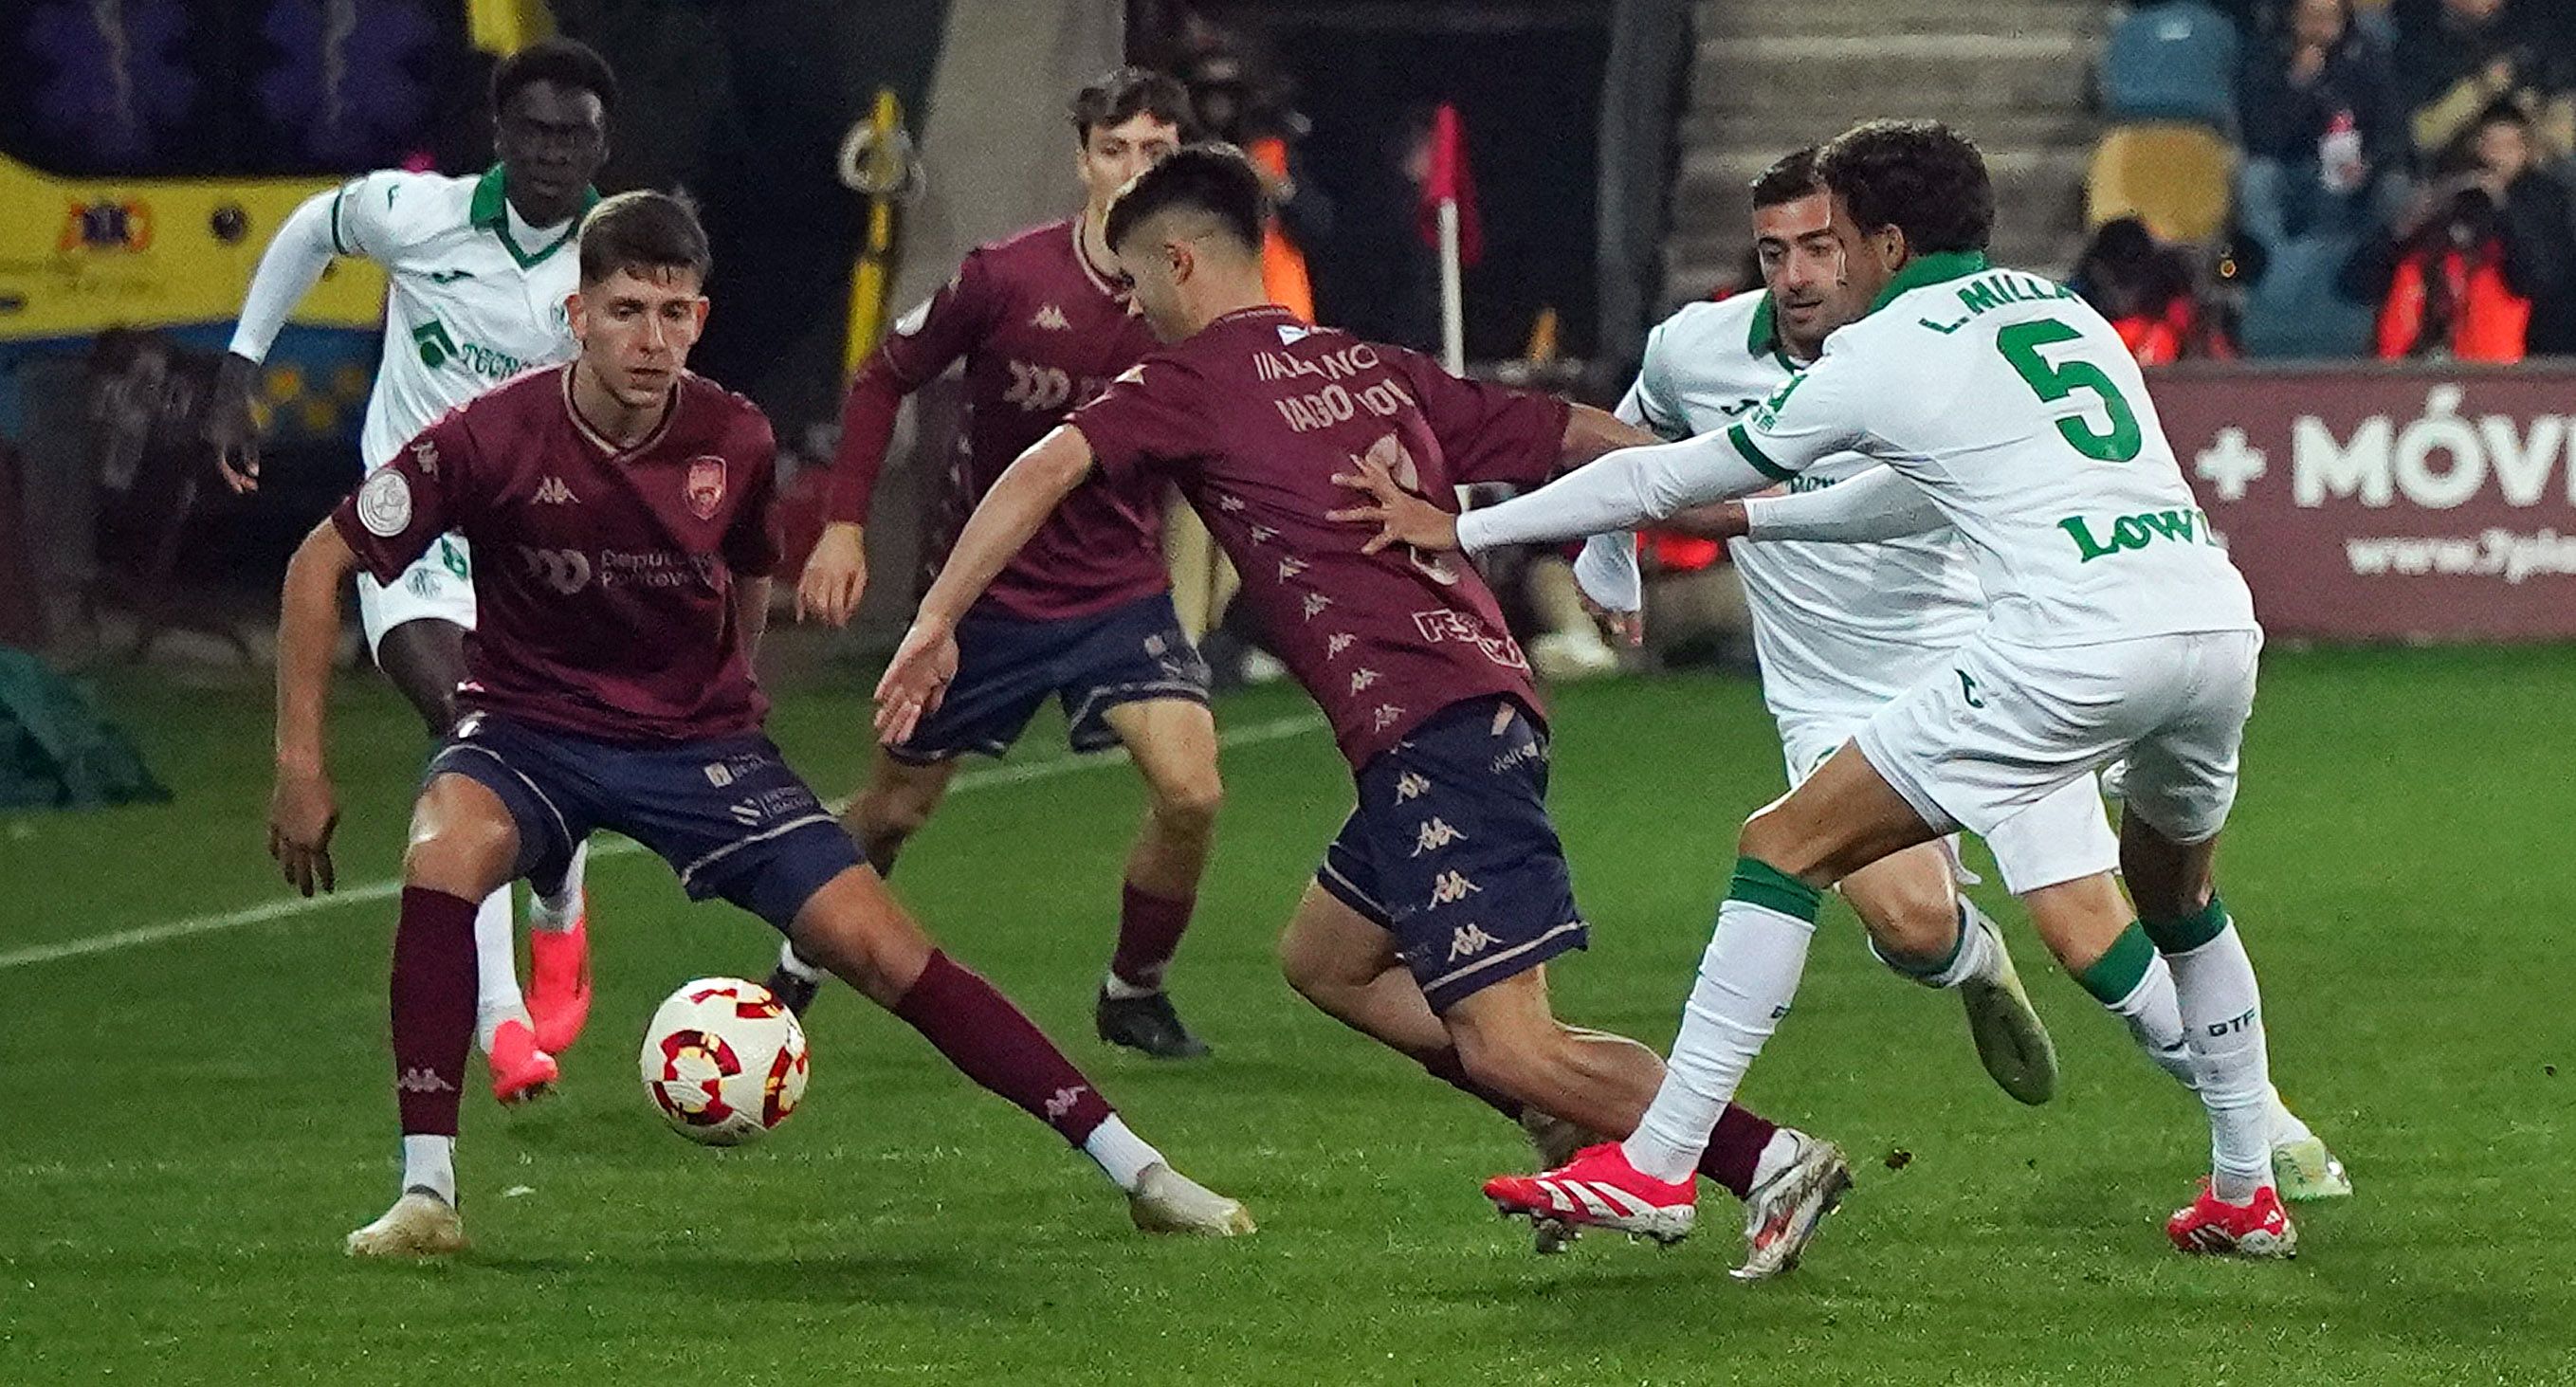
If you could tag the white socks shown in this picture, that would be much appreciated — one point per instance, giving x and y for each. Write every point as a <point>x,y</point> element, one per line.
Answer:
<point>2154,1019</point>
<point>1121,1154</point>
<point>797,967</point>
<point>1746,979</point>
<point>429,1163</point>
<point>1118,989</point>
<point>556,913</point>
<point>496,969</point>
<point>2222,1017</point>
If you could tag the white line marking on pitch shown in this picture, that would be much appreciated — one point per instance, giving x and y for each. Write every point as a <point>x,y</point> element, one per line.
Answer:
<point>983,777</point>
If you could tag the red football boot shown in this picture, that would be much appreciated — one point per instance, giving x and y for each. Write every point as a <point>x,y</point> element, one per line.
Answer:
<point>2213,1227</point>
<point>1599,1189</point>
<point>559,981</point>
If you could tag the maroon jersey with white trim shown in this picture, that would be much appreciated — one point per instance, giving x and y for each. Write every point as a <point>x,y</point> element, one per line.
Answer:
<point>1252,418</point>
<point>603,576</point>
<point>1041,332</point>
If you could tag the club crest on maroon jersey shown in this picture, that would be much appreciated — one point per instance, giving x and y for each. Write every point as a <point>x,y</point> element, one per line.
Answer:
<point>706,486</point>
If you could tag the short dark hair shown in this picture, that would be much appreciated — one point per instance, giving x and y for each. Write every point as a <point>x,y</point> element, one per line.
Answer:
<point>1790,177</point>
<point>1919,176</point>
<point>646,232</point>
<point>1121,95</point>
<point>1212,178</point>
<point>2504,110</point>
<point>564,62</point>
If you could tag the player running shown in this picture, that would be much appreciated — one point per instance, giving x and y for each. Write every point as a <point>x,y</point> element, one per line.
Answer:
<point>1085,611</point>
<point>621,504</point>
<point>2118,629</point>
<point>479,270</point>
<point>1844,631</point>
<point>1430,921</point>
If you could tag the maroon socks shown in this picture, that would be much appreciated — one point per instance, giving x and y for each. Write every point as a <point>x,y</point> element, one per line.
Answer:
<point>433,1008</point>
<point>1149,933</point>
<point>993,1043</point>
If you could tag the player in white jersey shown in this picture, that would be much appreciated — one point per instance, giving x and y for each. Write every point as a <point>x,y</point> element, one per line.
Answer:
<point>2117,629</point>
<point>479,272</point>
<point>1846,629</point>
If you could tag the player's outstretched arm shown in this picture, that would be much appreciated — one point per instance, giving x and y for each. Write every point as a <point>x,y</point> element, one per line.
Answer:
<point>1020,501</point>
<point>1619,492</point>
<point>1877,505</point>
<point>288,270</point>
<point>301,809</point>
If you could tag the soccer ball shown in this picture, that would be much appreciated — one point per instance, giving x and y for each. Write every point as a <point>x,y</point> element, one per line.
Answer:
<point>724,1061</point>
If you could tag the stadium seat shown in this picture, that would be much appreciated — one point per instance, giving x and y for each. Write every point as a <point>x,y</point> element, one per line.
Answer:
<point>2173,176</point>
<point>2171,61</point>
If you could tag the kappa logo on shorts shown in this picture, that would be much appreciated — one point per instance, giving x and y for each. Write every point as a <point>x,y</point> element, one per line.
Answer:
<point>1435,834</point>
<point>1315,604</point>
<point>1290,568</point>
<point>1384,716</point>
<point>1336,643</point>
<point>1453,886</point>
<point>1411,785</point>
<point>706,485</point>
<point>1362,678</point>
<point>1467,941</point>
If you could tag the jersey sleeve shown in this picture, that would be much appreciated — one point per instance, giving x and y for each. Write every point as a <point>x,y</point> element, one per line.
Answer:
<point>751,546</point>
<point>1876,505</point>
<point>1650,403</point>
<point>1814,414</point>
<point>1149,421</point>
<point>368,216</point>
<point>937,331</point>
<point>402,508</point>
<point>1489,433</point>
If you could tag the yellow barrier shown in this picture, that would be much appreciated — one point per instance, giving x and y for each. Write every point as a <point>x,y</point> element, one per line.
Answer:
<point>78,256</point>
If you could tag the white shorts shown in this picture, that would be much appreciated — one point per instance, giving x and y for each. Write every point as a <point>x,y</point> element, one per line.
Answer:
<point>2007,726</point>
<point>439,584</point>
<point>2064,837</point>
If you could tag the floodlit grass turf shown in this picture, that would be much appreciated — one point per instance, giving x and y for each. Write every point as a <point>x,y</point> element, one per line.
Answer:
<point>187,1128</point>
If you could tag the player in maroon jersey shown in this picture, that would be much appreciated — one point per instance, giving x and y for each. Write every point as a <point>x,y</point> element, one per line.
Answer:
<point>1434,910</point>
<point>622,504</point>
<point>1084,612</point>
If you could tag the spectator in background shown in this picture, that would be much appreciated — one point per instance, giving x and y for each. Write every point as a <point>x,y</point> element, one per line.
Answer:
<point>2150,293</point>
<point>2325,149</point>
<point>2463,56</point>
<point>2483,267</point>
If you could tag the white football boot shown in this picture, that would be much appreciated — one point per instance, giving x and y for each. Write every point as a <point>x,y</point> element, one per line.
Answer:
<point>420,1224</point>
<point>1166,1201</point>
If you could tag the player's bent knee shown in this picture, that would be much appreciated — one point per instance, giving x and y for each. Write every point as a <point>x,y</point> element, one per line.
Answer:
<point>472,858</point>
<point>1192,808</point>
<point>854,928</point>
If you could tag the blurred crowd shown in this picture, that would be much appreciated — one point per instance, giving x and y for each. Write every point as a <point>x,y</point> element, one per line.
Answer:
<point>2329,179</point>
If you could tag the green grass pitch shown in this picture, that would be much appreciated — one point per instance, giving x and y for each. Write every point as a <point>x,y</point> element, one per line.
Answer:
<point>189,1125</point>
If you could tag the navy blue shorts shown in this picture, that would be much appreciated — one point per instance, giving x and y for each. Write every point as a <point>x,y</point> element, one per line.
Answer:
<point>1006,667</point>
<point>1452,852</point>
<point>726,813</point>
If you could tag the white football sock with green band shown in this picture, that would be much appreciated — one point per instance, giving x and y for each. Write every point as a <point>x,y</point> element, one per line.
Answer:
<point>2222,1018</point>
<point>1972,955</point>
<point>1746,979</point>
<point>2131,980</point>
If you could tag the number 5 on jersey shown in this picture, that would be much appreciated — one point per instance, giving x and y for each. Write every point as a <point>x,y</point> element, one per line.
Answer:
<point>2021,343</point>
